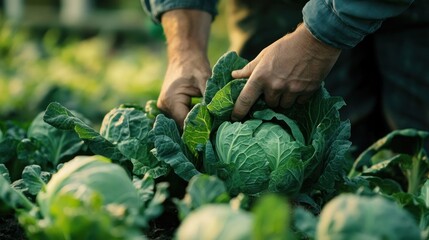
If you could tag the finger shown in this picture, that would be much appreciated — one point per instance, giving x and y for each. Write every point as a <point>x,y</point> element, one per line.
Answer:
<point>246,71</point>
<point>202,87</point>
<point>272,99</point>
<point>175,110</point>
<point>201,82</point>
<point>179,113</point>
<point>248,96</point>
<point>287,100</point>
<point>304,98</point>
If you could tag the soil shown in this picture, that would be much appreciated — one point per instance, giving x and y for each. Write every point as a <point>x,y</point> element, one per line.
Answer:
<point>10,228</point>
<point>164,230</point>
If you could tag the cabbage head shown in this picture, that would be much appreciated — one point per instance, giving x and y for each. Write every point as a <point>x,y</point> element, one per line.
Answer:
<point>354,217</point>
<point>83,175</point>
<point>298,150</point>
<point>216,221</point>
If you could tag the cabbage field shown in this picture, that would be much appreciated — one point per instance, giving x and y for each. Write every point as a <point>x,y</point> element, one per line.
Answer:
<point>275,175</point>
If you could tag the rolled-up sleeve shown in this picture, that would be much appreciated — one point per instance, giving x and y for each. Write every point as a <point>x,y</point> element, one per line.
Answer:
<point>155,8</point>
<point>344,23</point>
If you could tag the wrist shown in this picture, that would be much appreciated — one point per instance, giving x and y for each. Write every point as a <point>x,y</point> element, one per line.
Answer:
<point>187,32</point>
<point>316,47</point>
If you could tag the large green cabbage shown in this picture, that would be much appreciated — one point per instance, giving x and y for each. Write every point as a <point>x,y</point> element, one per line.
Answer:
<point>299,151</point>
<point>88,198</point>
<point>83,175</point>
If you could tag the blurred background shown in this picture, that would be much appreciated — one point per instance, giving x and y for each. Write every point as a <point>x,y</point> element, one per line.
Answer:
<point>89,55</point>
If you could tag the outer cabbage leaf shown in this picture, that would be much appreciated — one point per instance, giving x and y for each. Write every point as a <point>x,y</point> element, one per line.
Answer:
<point>169,147</point>
<point>35,179</point>
<point>202,189</point>
<point>223,101</point>
<point>152,196</point>
<point>197,129</point>
<point>62,118</point>
<point>11,198</point>
<point>48,146</point>
<point>324,131</point>
<point>222,73</point>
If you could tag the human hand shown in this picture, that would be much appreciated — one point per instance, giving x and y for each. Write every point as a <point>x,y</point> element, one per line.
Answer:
<point>185,78</point>
<point>289,70</point>
<point>187,33</point>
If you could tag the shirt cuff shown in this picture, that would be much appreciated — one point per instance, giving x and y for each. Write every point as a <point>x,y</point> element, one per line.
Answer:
<point>155,8</point>
<point>327,25</point>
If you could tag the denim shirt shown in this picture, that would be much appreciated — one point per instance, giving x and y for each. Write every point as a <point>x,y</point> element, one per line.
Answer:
<point>344,23</point>
<point>339,23</point>
<point>156,8</point>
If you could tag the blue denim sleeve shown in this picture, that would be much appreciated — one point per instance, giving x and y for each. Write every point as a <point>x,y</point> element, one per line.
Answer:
<point>155,8</point>
<point>344,23</point>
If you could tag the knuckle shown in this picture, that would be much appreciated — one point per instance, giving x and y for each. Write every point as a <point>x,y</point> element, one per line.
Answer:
<point>295,87</point>
<point>277,86</point>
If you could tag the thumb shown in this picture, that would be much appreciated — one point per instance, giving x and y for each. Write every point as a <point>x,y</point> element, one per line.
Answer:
<point>246,71</point>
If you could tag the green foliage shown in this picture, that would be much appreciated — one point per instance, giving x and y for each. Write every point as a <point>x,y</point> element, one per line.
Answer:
<point>123,137</point>
<point>11,199</point>
<point>202,189</point>
<point>238,173</point>
<point>62,118</point>
<point>272,219</point>
<point>169,148</point>
<point>47,145</point>
<point>79,72</point>
<point>400,156</point>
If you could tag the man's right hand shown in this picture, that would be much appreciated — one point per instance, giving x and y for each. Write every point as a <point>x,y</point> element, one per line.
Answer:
<point>187,32</point>
<point>185,78</point>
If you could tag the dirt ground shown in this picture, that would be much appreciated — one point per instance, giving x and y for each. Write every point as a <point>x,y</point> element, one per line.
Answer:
<point>10,229</point>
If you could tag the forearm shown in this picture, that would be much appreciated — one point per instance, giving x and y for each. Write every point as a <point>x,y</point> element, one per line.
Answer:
<point>187,32</point>
<point>344,23</point>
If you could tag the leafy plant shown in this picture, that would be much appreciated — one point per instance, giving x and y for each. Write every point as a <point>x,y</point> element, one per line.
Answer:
<point>358,217</point>
<point>270,218</point>
<point>123,137</point>
<point>78,202</point>
<point>397,167</point>
<point>296,151</point>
